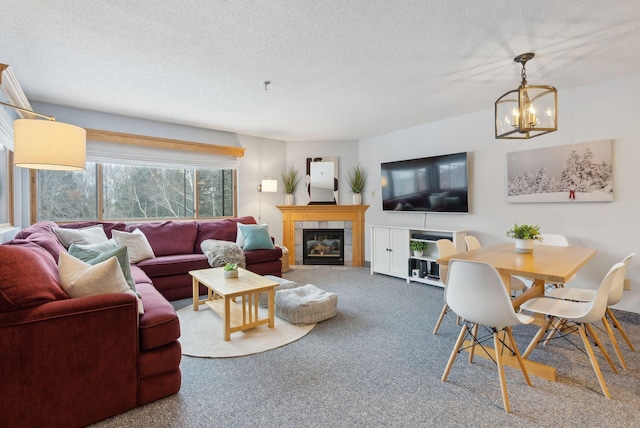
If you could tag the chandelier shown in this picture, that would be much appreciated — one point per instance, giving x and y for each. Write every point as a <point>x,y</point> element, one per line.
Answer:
<point>526,112</point>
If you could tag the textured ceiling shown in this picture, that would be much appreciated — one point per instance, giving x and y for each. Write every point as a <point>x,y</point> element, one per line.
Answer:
<point>340,69</point>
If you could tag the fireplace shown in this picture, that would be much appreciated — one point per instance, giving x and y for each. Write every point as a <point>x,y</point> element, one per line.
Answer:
<point>323,246</point>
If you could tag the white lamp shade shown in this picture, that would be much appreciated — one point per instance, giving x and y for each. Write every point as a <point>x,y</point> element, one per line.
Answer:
<point>269,185</point>
<point>47,144</point>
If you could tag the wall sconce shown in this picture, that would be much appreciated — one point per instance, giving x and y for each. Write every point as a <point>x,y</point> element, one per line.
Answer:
<point>268,185</point>
<point>47,144</point>
<point>528,111</point>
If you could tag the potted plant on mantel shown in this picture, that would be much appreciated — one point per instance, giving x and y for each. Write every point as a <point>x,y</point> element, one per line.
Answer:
<point>418,247</point>
<point>357,179</point>
<point>231,270</point>
<point>290,181</point>
<point>524,235</point>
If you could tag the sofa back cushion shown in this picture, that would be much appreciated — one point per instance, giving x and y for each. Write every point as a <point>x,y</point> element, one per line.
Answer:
<point>222,230</point>
<point>168,237</point>
<point>42,234</point>
<point>106,225</point>
<point>28,277</point>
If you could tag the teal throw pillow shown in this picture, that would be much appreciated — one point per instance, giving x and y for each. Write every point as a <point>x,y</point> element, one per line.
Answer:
<point>86,252</point>
<point>93,257</point>
<point>256,237</point>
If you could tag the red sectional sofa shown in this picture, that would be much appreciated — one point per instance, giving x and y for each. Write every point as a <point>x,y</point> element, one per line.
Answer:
<point>71,362</point>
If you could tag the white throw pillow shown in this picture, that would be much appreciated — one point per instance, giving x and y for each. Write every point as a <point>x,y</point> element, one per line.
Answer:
<point>137,244</point>
<point>87,235</point>
<point>80,279</point>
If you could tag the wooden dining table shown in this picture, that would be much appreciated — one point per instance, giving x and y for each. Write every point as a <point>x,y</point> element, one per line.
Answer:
<point>547,264</point>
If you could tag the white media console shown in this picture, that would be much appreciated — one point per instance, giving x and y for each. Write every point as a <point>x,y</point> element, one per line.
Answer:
<point>391,253</point>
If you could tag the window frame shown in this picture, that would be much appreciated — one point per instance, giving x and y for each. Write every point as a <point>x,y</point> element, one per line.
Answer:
<point>151,142</point>
<point>33,212</point>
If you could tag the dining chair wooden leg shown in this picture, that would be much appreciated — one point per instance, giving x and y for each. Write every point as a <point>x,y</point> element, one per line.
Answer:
<point>555,327</point>
<point>444,311</point>
<point>518,356</point>
<point>614,342</point>
<point>537,337</point>
<point>594,362</point>
<point>474,333</point>
<point>615,322</point>
<point>503,382</point>
<point>456,348</point>
<point>595,338</point>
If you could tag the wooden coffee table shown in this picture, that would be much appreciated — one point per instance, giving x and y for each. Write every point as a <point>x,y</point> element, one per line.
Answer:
<point>223,294</point>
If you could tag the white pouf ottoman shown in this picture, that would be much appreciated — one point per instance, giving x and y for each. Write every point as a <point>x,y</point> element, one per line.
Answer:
<point>283,284</point>
<point>306,305</point>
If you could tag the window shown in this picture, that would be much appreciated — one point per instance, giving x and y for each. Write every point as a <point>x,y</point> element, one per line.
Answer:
<point>125,192</point>
<point>5,186</point>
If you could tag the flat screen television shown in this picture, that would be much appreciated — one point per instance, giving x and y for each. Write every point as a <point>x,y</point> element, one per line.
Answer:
<point>438,184</point>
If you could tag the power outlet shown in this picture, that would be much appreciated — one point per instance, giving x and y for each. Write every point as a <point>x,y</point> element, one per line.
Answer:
<point>627,284</point>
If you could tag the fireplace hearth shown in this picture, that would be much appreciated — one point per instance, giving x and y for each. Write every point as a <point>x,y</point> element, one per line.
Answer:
<point>323,246</point>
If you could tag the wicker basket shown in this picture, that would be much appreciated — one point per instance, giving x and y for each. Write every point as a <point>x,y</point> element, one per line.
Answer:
<point>285,259</point>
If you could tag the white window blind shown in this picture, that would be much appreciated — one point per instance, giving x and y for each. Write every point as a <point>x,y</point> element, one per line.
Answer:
<point>127,154</point>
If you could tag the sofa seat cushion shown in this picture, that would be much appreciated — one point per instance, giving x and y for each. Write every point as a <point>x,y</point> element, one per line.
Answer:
<point>159,360</point>
<point>168,237</point>
<point>28,277</point>
<point>261,256</point>
<point>159,325</point>
<point>172,265</point>
<point>222,230</point>
<point>139,277</point>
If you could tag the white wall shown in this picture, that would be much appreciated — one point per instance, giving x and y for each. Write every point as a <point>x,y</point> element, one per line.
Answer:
<point>263,158</point>
<point>607,110</point>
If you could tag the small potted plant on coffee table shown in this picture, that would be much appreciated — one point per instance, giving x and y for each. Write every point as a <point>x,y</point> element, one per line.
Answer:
<point>231,270</point>
<point>418,247</point>
<point>524,235</point>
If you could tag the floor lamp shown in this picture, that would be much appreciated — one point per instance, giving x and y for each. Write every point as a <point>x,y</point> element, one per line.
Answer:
<point>47,144</point>
<point>268,185</point>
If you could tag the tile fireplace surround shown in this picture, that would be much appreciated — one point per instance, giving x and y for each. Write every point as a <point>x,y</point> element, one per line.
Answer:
<point>296,213</point>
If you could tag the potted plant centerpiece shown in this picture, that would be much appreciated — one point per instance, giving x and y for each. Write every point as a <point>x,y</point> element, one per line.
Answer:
<point>357,179</point>
<point>290,180</point>
<point>418,247</point>
<point>524,235</point>
<point>231,270</point>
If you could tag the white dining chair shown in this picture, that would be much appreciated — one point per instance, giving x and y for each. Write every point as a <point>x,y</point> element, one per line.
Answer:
<point>445,249</point>
<point>476,292</point>
<point>586,295</point>
<point>473,244</point>
<point>580,314</point>
<point>558,241</point>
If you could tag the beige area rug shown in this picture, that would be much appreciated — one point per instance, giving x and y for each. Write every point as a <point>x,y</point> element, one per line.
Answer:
<point>202,335</point>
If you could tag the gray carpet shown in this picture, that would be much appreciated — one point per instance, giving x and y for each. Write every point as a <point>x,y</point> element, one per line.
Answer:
<point>376,364</point>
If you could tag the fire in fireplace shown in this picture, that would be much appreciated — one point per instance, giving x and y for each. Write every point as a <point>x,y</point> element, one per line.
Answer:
<point>323,246</point>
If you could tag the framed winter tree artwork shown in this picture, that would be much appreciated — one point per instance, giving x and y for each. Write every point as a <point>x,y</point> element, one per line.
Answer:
<point>572,173</point>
